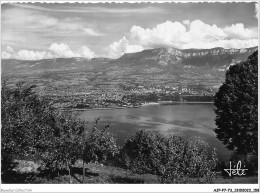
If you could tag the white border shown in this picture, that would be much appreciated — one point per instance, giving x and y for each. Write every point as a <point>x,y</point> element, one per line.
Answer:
<point>127,187</point>
<point>126,1</point>
<point>130,187</point>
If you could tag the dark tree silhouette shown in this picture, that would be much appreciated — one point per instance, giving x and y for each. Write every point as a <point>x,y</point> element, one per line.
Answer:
<point>237,102</point>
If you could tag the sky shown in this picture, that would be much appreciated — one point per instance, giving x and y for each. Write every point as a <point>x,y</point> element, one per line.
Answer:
<point>34,31</point>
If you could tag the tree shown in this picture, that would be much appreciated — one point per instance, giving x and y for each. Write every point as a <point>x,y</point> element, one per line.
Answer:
<point>173,159</point>
<point>24,117</point>
<point>187,160</point>
<point>143,152</point>
<point>64,145</point>
<point>236,107</point>
<point>31,131</point>
<point>100,146</point>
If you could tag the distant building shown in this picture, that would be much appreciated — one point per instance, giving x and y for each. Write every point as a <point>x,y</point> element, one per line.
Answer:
<point>184,89</point>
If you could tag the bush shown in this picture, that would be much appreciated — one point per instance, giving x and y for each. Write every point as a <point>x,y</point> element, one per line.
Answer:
<point>143,152</point>
<point>186,161</point>
<point>100,146</point>
<point>173,159</point>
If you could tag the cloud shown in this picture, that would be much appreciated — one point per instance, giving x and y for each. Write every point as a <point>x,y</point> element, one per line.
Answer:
<point>186,22</point>
<point>6,55</point>
<point>87,9</point>
<point>71,25</point>
<point>32,55</point>
<point>21,25</point>
<point>9,49</point>
<point>184,35</point>
<point>62,50</point>
<point>91,32</point>
<point>33,21</point>
<point>163,34</point>
<point>85,52</point>
<point>238,31</point>
<point>27,19</point>
<point>55,50</point>
<point>122,46</point>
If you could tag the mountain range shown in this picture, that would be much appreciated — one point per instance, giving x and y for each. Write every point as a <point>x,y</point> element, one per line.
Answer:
<point>156,66</point>
<point>159,57</point>
<point>196,57</point>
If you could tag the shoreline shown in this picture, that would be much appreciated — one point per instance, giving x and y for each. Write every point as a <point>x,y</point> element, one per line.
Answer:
<point>143,105</point>
<point>186,102</point>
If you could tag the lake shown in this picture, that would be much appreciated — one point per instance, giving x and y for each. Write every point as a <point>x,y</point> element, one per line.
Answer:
<point>190,119</point>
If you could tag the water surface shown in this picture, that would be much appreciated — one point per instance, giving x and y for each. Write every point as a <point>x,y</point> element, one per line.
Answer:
<point>192,120</point>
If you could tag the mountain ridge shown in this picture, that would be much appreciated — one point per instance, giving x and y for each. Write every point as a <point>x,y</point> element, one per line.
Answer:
<point>214,50</point>
<point>160,66</point>
<point>165,58</point>
<point>170,48</point>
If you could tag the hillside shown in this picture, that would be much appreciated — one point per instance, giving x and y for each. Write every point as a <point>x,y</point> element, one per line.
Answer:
<point>153,58</point>
<point>199,66</point>
<point>96,174</point>
<point>160,66</point>
<point>57,64</point>
<point>196,57</point>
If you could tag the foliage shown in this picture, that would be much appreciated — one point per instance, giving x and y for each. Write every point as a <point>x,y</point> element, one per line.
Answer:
<point>65,143</point>
<point>142,152</point>
<point>237,107</point>
<point>187,160</point>
<point>100,146</point>
<point>24,117</point>
<point>32,131</point>
<point>173,159</point>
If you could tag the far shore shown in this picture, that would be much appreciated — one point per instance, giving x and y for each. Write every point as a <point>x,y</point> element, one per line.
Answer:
<point>143,105</point>
<point>172,102</point>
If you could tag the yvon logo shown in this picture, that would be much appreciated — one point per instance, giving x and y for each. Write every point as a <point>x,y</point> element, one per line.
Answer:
<point>236,170</point>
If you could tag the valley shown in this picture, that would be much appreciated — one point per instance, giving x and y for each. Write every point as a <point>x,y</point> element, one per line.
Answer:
<point>148,76</point>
